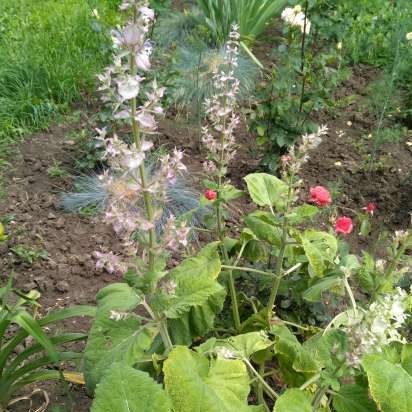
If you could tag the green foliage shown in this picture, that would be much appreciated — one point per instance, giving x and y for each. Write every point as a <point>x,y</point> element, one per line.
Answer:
<point>195,383</point>
<point>49,52</point>
<point>252,16</point>
<point>390,384</point>
<point>26,255</point>
<point>293,400</point>
<point>267,190</point>
<point>353,398</point>
<point>20,364</point>
<point>125,389</point>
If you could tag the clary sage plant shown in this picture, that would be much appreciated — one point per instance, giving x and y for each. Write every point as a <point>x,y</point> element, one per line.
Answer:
<point>163,339</point>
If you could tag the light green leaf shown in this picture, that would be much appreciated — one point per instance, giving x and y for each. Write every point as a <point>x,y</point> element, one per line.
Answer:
<point>353,398</point>
<point>301,213</point>
<point>390,385</point>
<point>296,362</point>
<point>196,282</point>
<point>320,248</point>
<point>112,341</point>
<point>314,293</point>
<point>293,400</point>
<point>117,296</point>
<point>263,225</point>
<point>197,321</point>
<point>116,334</point>
<point>248,343</point>
<point>195,383</point>
<point>124,389</point>
<point>267,190</point>
<point>406,357</point>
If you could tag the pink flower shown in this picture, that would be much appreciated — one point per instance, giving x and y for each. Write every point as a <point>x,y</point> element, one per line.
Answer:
<point>210,194</point>
<point>320,196</point>
<point>370,208</point>
<point>343,225</point>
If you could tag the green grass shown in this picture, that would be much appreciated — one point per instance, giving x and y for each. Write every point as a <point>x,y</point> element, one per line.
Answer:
<point>50,51</point>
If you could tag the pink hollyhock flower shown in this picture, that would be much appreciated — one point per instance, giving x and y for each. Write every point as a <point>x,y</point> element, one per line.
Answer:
<point>370,208</point>
<point>320,196</point>
<point>210,194</point>
<point>344,225</point>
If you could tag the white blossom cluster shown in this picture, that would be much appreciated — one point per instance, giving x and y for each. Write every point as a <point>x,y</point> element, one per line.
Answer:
<point>218,136</point>
<point>294,16</point>
<point>379,326</point>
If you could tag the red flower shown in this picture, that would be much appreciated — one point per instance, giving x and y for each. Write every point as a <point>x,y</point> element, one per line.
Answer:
<point>343,225</point>
<point>370,208</point>
<point>320,196</point>
<point>210,194</point>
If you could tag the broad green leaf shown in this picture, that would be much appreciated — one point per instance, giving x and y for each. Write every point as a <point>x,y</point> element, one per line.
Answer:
<point>196,283</point>
<point>267,190</point>
<point>320,248</point>
<point>365,273</point>
<point>321,346</point>
<point>117,296</point>
<point>293,400</point>
<point>390,384</point>
<point>195,383</point>
<point>112,341</point>
<point>353,398</point>
<point>116,334</point>
<point>125,389</point>
<point>198,321</point>
<point>296,362</point>
<point>249,343</point>
<point>314,293</point>
<point>263,225</point>
<point>406,357</point>
<point>302,213</point>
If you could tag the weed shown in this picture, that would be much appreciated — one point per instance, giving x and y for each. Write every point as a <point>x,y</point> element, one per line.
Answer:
<point>28,256</point>
<point>56,170</point>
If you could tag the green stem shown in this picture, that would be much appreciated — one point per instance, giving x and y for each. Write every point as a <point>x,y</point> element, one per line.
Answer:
<point>351,297</point>
<point>261,398</point>
<point>148,203</point>
<point>318,398</point>
<point>278,271</point>
<point>246,269</point>
<point>273,394</point>
<point>309,382</point>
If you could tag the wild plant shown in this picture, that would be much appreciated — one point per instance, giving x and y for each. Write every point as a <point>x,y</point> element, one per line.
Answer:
<point>154,343</point>
<point>29,352</point>
<point>252,16</point>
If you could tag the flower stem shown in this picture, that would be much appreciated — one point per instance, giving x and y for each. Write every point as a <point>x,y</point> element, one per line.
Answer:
<point>273,394</point>
<point>148,203</point>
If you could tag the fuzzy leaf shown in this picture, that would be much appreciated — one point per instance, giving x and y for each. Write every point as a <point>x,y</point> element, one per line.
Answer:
<point>248,343</point>
<point>112,340</point>
<point>390,385</point>
<point>293,400</point>
<point>195,383</point>
<point>353,398</point>
<point>196,282</point>
<point>320,248</point>
<point>125,389</point>
<point>301,213</point>
<point>198,321</point>
<point>267,190</point>
<point>262,224</point>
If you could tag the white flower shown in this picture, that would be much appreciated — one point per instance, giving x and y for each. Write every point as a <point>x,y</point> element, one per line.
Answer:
<point>409,36</point>
<point>129,87</point>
